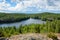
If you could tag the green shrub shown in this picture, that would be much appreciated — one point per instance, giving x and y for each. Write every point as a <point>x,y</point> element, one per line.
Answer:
<point>52,35</point>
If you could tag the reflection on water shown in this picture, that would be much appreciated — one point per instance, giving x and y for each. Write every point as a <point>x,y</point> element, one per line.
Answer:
<point>26,22</point>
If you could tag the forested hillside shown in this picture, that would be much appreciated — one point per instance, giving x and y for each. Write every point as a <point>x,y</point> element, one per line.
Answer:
<point>15,17</point>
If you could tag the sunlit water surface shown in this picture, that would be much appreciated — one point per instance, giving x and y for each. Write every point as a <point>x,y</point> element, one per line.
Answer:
<point>25,22</point>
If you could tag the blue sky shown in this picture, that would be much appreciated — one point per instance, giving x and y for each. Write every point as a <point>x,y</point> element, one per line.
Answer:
<point>29,6</point>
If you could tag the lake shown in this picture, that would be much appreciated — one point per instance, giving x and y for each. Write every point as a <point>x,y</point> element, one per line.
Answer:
<point>25,22</point>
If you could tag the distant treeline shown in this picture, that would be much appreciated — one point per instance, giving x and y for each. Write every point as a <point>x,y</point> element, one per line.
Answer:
<point>9,18</point>
<point>15,17</point>
<point>46,16</point>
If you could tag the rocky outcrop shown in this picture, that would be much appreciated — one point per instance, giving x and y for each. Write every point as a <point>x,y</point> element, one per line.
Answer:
<point>29,37</point>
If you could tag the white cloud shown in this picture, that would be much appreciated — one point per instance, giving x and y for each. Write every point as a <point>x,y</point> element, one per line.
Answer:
<point>24,5</point>
<point>56,7</point>
<point>4,5</point>
<point>18,7</point>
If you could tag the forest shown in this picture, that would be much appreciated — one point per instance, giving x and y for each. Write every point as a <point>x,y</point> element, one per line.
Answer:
<point>52,23</point>
<point>16,17</point>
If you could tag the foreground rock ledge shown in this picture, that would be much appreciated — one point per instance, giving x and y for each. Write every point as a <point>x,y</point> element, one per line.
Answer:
<point>29,37</point>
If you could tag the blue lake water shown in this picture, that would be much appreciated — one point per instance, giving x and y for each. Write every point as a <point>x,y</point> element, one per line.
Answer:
<point>25,22</point>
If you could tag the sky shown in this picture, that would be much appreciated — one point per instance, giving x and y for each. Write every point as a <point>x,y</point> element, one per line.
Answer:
<point>29,6</point>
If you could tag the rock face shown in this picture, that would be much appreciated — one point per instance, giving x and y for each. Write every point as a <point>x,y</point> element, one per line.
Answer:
<point>29,37</point>
<point>3,38</point>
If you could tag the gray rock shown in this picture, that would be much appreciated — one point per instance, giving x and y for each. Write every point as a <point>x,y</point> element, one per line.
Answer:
<point>29,37</point>
<point>2,38</point>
